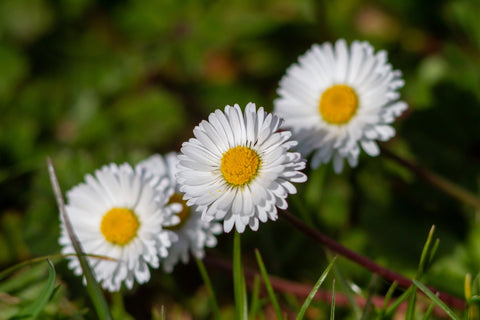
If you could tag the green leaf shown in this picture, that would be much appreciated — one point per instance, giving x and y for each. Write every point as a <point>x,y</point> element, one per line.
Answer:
<point>317,285</point>
<point>268,285</point>
<point>33,310</point>
<point>435,299</point>
<point>93,289</point>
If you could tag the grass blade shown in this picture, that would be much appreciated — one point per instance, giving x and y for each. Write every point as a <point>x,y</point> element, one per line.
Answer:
<point>332,307</point>
<point>255,298</point>
<point>239,286</point>
<point>426,253</point>
<point>398,302</point>
<point>10,270</point>
<point>412,298</point>
<point>93,289</point>
<point>429,311</point>
<point>33,310</point>
<point>208,284</point>
<point>317,285</point>
<point>268,285</point>
<point>387,299</point>
<point>368,302</point>
<point>435,299</point>
<point>158,315</point>
<point>347,289</point>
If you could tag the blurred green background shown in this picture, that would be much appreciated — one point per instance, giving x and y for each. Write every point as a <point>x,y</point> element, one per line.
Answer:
<point>91,82</point>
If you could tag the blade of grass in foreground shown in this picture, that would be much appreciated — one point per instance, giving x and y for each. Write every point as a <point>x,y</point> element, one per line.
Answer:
<point>347,288</point>
<point>429,311</point>
<point>435,299</point>
<point>239,286</point>
<point>268,285</point>
<point>93,289</point>
<point>255,297</point>
<point>22,264</point>
<point>332,307</point>
<point>368,303</point>
<point>387,299</point>
<point>317,285</point>
<point>208,284</point>
<point>395,304</point>
<point>425,259</point>
<point>156,315</point>
<point>33,310</point>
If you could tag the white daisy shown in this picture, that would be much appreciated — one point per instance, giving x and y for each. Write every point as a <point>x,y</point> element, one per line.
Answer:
<point>238,168</point>
<point>193,233</point>
<point>336,99</point>
<point>120,213</point>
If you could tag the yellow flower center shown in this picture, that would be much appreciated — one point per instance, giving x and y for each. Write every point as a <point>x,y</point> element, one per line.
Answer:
<point>240,165</point>
<point>183,215</point>
<point>338,104</point>
<point>119,226</point>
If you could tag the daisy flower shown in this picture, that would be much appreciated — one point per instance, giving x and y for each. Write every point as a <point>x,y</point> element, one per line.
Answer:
<point>193,233</point>
<point>120,213</point>
<point>238,168</point>
<point>338,99</point>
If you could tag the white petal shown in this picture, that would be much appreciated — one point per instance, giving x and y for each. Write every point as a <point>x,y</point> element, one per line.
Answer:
<point>370,147</point>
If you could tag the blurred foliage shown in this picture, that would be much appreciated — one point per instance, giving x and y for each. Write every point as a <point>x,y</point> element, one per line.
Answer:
<point>91,82</point>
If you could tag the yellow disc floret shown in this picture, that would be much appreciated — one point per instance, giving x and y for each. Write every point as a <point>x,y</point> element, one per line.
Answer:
<point>338,104</point>
<point>183,215</point>
<point>119,226</point>
<point>240,165</point>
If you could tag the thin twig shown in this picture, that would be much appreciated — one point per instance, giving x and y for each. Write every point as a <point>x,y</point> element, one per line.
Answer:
<point>445,185</point>
<point>364,261</point>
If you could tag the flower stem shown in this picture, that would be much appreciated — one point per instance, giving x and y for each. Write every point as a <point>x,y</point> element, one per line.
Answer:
<point>363,261</point>
<point>445,185</point>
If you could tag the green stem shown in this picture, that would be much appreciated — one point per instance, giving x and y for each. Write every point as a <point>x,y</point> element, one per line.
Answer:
<point>239,286</point>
